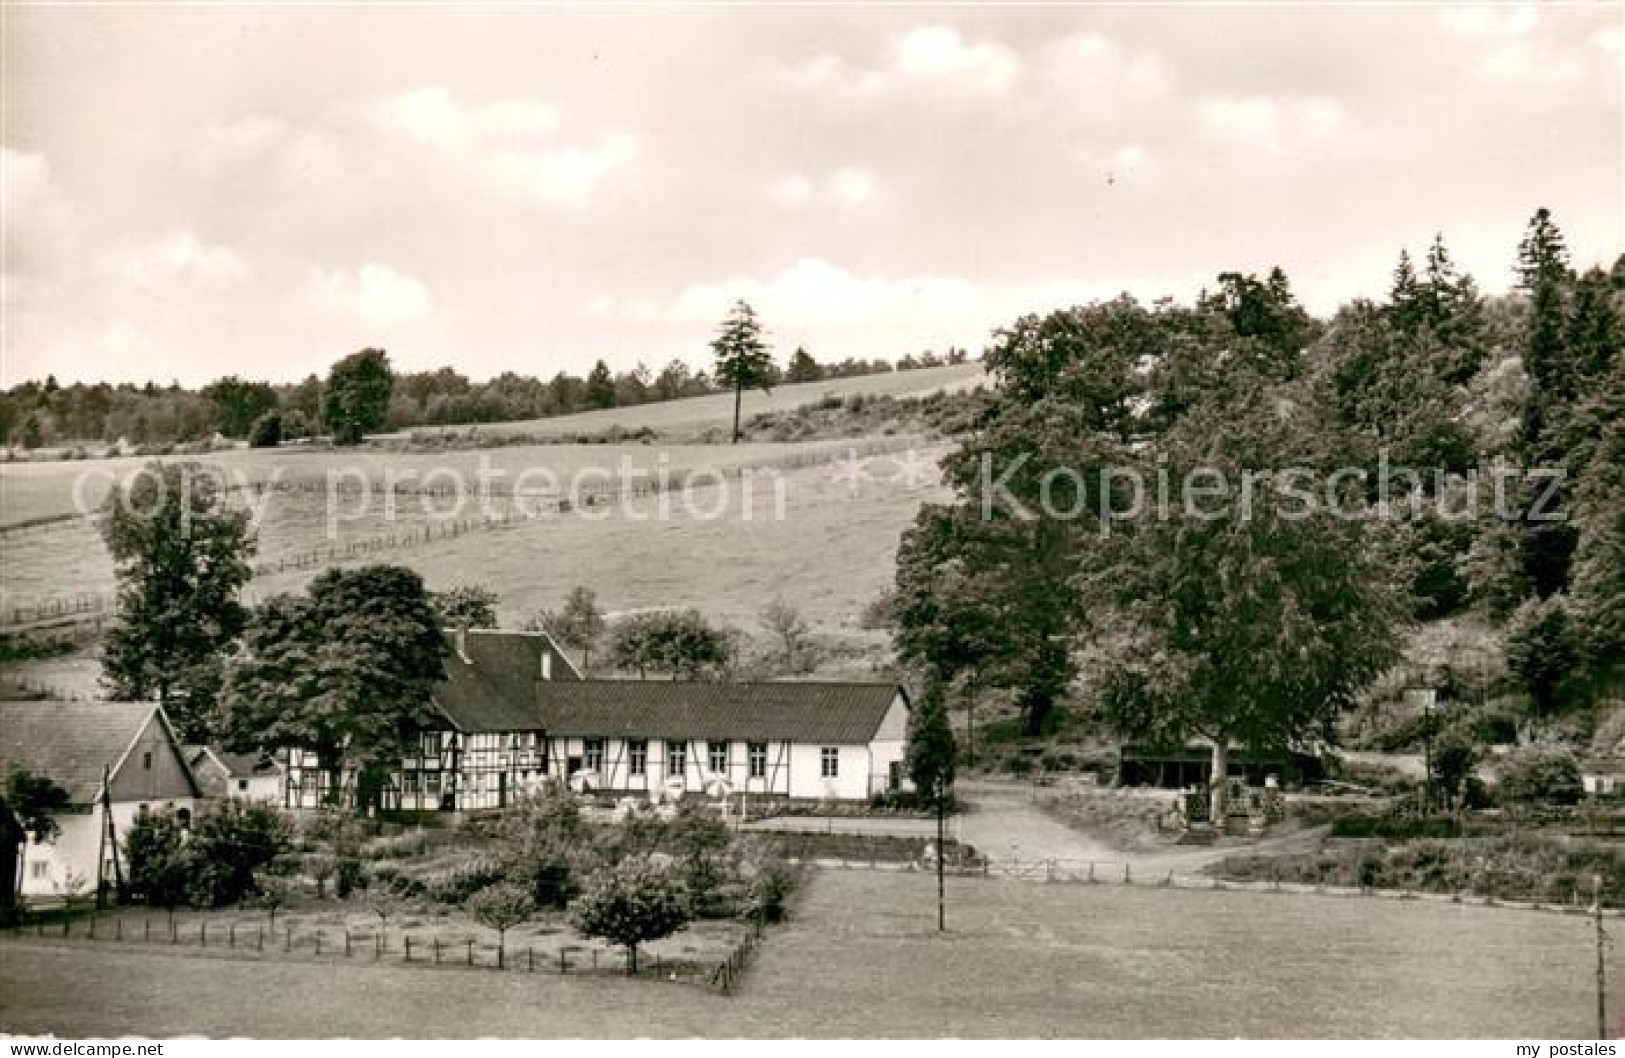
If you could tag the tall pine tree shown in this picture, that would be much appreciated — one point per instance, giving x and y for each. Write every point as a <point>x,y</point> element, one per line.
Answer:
<point>742,358</point>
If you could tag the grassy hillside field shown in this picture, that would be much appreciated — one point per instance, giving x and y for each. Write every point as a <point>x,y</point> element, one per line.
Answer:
<point>861,958</point>
<point>830,554</point>
<point>675,418</point>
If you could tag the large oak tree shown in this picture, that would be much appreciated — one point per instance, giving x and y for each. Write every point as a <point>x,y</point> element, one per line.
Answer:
<point>347,670</point>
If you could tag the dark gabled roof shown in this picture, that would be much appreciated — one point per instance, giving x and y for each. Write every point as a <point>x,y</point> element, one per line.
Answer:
<point>237,765</point>
<point>490,683</point>
<point>69,743</point>
<point>494,685</point>
<point>828,713</point>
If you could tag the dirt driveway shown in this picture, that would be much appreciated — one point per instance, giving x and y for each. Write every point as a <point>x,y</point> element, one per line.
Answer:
<point>1003,821</point>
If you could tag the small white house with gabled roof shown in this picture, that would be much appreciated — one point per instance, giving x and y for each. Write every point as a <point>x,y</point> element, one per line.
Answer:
<point>113,758</point>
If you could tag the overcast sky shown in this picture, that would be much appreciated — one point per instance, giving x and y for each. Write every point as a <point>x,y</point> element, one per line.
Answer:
<point>250,190</point>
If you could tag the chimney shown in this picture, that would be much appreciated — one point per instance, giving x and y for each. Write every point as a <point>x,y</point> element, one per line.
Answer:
<point>462,644</point>
<point>547,662</point>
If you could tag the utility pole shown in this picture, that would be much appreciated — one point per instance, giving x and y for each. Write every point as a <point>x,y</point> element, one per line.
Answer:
<point>941,860</point>
<point>1602,971</point>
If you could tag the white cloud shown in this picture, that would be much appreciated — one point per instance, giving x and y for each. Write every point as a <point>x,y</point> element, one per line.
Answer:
<point>243,140</point>
<point>179,258</point>
<point>507,146</point>
<point>1529,60</point>
<point>936,57</point>
<point>376,293</point>
<point>793,190</point>
<point>1276,125</point>
<point>1099,77</point>
<point>1513,50</point>
<point>940,53</point>
<point>25,178</point>
<point>431,116</point>
<point>856,311</point>
<point>1131,158</point>
<point>1489,20</point>
<point>564,177</point>
<point>849,187</point>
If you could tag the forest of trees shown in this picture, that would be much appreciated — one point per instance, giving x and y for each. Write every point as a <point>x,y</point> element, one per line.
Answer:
<point>1256,632</point>
<point>45,414</point>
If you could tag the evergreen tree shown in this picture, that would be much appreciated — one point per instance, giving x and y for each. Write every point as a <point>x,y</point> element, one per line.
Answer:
<point>1543,271</point>
<point>742,357</point>
<point>803,368</point>
<point>1599,560</point>
<point>600,386</point>
<point>181,558</point>
<point>1404,295</point>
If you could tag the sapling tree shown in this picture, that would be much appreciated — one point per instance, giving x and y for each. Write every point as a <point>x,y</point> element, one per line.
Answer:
<point>501,907</point>
<point>631,904</point>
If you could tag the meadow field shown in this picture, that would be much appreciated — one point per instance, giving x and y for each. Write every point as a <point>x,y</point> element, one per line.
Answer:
<point>513,516</point>
<point>525,546</point>
<point>861,957</point>
<point>676,417</point>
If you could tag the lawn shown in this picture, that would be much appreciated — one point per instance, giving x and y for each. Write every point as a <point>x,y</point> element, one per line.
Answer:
<point>861,959</point>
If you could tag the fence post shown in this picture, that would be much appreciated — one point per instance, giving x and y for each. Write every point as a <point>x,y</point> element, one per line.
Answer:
<point>437,949</point>
<point>564,962</point>
<point>318,942</point>
<point>530,959</point>
<point>287,938</point>
<point>408,947</point>
<point>1091,871</point>
<point>259,938</point>
<point>146,929</point>
<point>1128,878</point>
<point>203,933</point>
<point>346,942</point>
<point>118,929</point>
<point>471,953</point>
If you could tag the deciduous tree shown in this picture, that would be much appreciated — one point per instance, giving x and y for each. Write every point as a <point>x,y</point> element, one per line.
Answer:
<point>501,907</point>
<point>466,606</point>
<point>356,397</point>
<point>1253,626</point>
<point>182,556</point>
<point>347,670</point>
<point>631,904</point>
<point>679,642</point>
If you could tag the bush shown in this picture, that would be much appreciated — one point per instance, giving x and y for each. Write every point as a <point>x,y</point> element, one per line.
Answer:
<point>1542,775</point>
<point>267,431</point>
<point>455,887</point>
<point>770,890</point>
<point>229,843</point>
<point>631,904</point>
<point>157,861</point>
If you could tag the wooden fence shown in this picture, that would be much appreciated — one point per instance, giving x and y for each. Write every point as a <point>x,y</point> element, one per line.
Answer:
<point>263,939</point>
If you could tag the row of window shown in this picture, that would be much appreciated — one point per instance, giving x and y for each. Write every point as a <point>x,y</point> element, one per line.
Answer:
<point>718,760</point>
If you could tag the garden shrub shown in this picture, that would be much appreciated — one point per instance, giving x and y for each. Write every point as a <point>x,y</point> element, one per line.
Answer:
<point>1541,775</point>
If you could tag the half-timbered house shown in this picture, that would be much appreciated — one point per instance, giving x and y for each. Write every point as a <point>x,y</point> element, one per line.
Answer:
<point>518,715</point>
